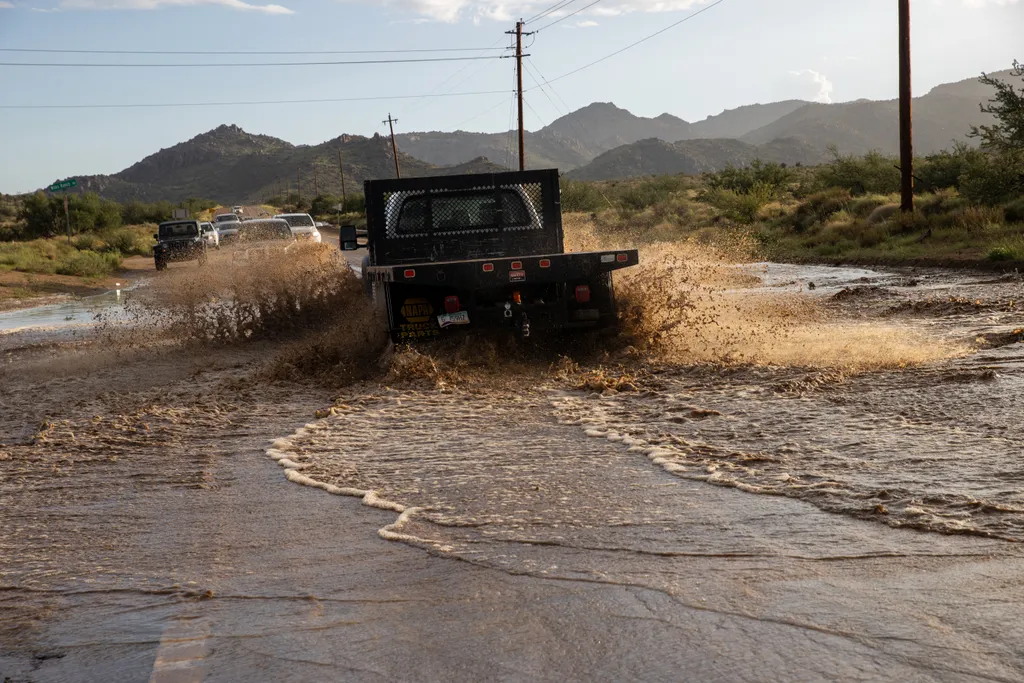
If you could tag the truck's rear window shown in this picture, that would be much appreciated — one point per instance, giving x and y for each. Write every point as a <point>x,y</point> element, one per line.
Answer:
<point>459,211</point>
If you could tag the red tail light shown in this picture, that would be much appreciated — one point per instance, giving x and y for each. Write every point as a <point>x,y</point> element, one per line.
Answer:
<point>582,294</point>
<point>621,258</point>
<point>409,273</point>
<point>488,267</point>
<point>545,263</point>
<point>517,265</point>
<point>451,304</point>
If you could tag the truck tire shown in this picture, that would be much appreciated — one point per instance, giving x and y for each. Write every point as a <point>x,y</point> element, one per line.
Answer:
<point>605,299</point>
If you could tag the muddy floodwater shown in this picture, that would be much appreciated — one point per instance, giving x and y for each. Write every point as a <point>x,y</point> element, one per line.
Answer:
<point>846,506</point>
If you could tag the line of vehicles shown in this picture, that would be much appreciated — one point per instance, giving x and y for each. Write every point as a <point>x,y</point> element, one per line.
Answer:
<point>190,239</point>
<point>481,251</point>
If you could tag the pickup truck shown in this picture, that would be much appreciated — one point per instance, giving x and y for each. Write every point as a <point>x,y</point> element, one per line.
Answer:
<point>481,252</point>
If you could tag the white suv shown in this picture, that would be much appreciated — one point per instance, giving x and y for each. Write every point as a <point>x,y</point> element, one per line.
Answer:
<point>303,226</point>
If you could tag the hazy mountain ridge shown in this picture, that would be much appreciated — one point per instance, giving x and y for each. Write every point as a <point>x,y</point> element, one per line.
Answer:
<point>657,157</point>
<point>231,165</point>
<point>599,141</point>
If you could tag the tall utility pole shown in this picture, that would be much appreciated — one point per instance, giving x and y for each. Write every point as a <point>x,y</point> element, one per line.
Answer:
<point>906,111</point>
<point>316,183</point>
<point>518,33</point>
<point>341,169</point>
<point>394,148</point>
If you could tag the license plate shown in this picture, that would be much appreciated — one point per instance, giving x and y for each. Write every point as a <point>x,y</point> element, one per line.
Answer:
<point>457,318</point>
<point>516,275</point>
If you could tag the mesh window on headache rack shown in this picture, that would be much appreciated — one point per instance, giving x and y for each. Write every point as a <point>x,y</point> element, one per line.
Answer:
<point>473,210</point>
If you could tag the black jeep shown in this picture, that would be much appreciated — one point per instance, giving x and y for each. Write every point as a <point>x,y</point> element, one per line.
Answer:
<point>179,241</point>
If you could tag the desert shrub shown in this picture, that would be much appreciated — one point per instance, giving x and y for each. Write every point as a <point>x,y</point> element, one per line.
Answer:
<point>819,207</point>
<point>993,178</point>
<point>87,241</point>
<point>1014,211</point>
<point>742,180</point>
<point>974,218</point>
<point>862,207</point>
<point>939,203</point>
<point>136,213</point>
<point>944,169</point>
<point>742,207</point>
<point>89,264</point>
<point>579,196</point>
<point>130,242</point>
<point>871,173</point>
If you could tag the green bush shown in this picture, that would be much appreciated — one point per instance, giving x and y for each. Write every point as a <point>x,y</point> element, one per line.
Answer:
<point>993,178</point>
<point>944,169</point>
<point>742,207</point>
<point>871,173</point>
<point>87,241</point>
<point>862,207</point>
<point>1014,211</point>
<point>742,180</point>
<point>89,264</point>
<point>130,242</point>
<point>579,196</point>
<point>819,207</point>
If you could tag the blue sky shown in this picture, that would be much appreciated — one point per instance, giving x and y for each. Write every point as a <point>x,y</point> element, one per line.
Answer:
<point>740,52</point>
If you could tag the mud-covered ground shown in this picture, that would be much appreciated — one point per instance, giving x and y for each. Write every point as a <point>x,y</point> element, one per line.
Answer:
<point>800,483</point>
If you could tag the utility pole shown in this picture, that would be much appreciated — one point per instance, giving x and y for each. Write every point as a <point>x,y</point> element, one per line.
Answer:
<point>316,183</point>
<point>394,148</point>
<point>341,169</point>
<point>519,89</point>
<point>906,112</point>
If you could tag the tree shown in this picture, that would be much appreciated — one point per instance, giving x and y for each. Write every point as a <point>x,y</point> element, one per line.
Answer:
<point>1007,106</point>
<point>41,215</point>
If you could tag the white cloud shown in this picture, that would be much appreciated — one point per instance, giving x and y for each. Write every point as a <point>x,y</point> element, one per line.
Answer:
<point>451,11</point>
<point>6,5</point>
<point>154,4</point>
<point>587,24</point>
<point>983,3</point>
<point>824,95</point>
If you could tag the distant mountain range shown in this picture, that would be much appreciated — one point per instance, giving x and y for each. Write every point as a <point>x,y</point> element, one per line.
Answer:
<point>598,142</point>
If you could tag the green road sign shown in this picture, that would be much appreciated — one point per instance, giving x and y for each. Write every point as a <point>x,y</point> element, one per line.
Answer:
<point>64,185</point>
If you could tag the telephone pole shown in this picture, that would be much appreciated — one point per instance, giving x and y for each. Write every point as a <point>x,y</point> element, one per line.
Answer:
<point>906,112</point>
<point>341,169</point>
<point>518,33</point>
<point>394,148</point>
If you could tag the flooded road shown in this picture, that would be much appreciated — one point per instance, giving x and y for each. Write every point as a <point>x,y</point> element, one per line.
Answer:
<point>170,515</point>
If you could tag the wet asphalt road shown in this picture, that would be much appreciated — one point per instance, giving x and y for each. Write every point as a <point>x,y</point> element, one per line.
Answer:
<point>149,537</point>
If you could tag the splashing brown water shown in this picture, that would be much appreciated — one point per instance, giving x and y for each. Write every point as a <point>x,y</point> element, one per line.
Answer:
<point>688,302</point>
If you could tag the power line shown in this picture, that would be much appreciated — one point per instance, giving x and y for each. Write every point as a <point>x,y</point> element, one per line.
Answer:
<point>243,52</point>
<point>572,14</point>
<point>242,103</point>
<point>642,40</point>
<point>251,64</point>
<point>485,111</point>
<point>459,71</point>
<point>554,8</point>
